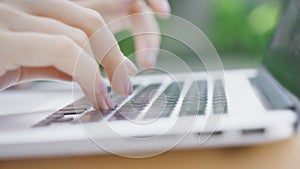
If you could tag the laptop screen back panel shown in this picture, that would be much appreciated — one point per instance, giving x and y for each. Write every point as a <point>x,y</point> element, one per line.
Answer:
<point>283,56</point>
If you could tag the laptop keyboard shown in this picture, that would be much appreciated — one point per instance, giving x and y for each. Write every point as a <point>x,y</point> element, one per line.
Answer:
<point>132,108</point>
<point>165,103</point>
<point>149,102</point>
<point>219,98</point>
<point>196,100</point>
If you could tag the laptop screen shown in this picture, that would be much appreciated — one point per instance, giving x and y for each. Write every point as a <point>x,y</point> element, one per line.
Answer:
<point>283,56</point>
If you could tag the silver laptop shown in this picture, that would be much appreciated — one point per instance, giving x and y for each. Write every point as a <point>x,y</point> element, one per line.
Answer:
<point>175,111</point>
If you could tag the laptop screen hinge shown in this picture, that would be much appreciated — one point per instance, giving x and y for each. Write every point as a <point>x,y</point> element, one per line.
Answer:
<point>276,95</point>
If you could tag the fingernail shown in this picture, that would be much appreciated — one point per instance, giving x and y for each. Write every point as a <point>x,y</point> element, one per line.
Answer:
<point>132,68</point>
<point>109,101</point>
<point>102,103</point>
<point>165,6</point>
<point>101,92</point>
<point>128,87</point>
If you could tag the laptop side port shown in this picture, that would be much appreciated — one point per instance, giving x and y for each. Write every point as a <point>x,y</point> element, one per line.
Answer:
<point>216,133</point>
<point>257,131</point>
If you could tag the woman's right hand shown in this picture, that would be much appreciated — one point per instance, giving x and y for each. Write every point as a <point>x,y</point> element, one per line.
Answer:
<point>60,40</point>
<point>138,17</point>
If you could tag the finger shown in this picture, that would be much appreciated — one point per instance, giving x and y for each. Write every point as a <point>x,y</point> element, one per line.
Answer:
<point>160,6</point>
<point>29,23</point>
<point>103,43</point>
<point>111,10</point>
<point>26,74</point>
<point>122,6</point>
<point>111,6</point>
<point>66,56</point>
<point>42,73</point>
<point>146,35</point>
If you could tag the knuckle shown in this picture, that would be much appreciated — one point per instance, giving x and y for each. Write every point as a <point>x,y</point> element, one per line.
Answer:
<point>11,17</point>
<point>95,20</point>
<point>65,44</point>
<point>80,37</point>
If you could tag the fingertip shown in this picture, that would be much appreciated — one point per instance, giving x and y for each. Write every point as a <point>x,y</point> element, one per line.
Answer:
<point>163,15</point>
<point>162,7</point>
<point>98,101</point>
<point>165,10</point>
<point>165,6</point>
<point>128,87</point>
<point>102,104</point>
<point>109,101</point>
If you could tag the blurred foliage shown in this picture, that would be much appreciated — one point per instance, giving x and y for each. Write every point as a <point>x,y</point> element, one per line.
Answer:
<point>237,26</point>
<point>127,44</point>
<point>243,27</point>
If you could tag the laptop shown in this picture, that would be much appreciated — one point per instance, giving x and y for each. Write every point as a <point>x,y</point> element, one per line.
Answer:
<point>175,111</point>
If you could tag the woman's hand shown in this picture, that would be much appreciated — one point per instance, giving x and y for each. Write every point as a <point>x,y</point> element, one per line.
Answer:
<point>58,39</point>
<point>144,27</point>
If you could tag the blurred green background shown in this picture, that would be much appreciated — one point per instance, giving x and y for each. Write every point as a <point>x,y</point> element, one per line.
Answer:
<point>239,29</point>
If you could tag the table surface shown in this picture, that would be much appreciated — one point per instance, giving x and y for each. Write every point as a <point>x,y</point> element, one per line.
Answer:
<point>279,155</point>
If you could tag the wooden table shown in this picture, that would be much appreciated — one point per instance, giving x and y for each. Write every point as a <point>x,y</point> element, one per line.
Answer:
<point>280,155</point>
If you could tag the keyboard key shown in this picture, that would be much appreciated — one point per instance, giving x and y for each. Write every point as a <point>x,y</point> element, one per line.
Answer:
<point>45,122</point>
<point>81,106</point>
<point>195,100</point>
<point>73,107</point>
<point>165,103</point>
<point>65,119</point>
<point>135,105</point>
<point>70,112</point>
<point>93,116</point>
<point>126,114</point>
<point>55,116</point>
<point>219,98</point>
